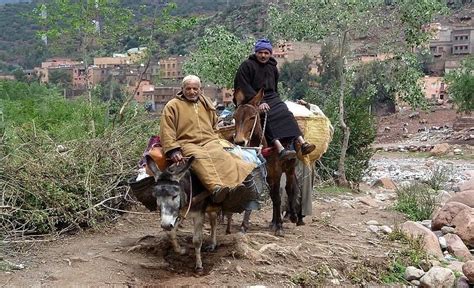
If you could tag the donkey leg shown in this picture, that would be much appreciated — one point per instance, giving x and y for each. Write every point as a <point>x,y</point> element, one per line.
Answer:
<point>244,227</point>
<point>292,193</point>
<point>198,220</point>
<point>213,219</point>
<point>174,242</point>
<point>276,201</point>
<point>229,222</point>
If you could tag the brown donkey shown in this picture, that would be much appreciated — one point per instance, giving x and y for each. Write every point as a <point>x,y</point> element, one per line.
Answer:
<point>249,132</point>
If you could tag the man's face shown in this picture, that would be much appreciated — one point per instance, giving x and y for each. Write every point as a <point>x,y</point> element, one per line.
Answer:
<point>192,90</point>
<point>263,56</point>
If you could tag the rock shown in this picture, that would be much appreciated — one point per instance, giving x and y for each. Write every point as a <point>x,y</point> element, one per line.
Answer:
<point>413,273</point>
<point>443,197</point>
<point>440,149</point>
<point>455,266</point>
<point>414,115</point>
<point>426,223</point>
<point>467,185</point>
<point>457,247</point>
<point>386,183</point>
<point>415,283</point>
<point>447,230</point>
<point>442,242</point>
<point>462,282</point>
<point>373,228</point>
<point>368,201</point>
<point>468,271</point>
<point>430,241</point>
<point>464,223</point>
<point>438,277</point>
<point>386,128</point>
<point>385,229</point>
<point>372,222</point>
<point>446,214</point>
<point>464,197</point>
<point>425,265</point>
<point>457,151</point>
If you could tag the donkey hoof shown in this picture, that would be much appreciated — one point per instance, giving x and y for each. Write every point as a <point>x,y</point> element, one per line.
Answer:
<point>243,229</point>
<point>210,248</point>
<point>227,232</point>
<point>293,219</point>
<point>279,233</point>
<point>300,223</point>
<point>199,271</point>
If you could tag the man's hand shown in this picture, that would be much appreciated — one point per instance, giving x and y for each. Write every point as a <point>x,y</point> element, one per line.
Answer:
<point>177,157</point>
<point>264,107</point>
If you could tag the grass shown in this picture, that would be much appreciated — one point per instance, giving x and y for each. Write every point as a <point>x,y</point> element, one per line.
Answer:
<point>411,254</point>
<point>417,201</point>
<point>332,190</point>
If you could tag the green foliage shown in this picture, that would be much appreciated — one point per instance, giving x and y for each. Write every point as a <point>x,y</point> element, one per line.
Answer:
<point>411,254</point>
<point>296,78</point>
<point>60,77</point>
<point>438,177</point>
<point>55,176</point>
<point>218,57</point>
<point>461,86</point>
<point>86,25</point>
<point>417,201</point>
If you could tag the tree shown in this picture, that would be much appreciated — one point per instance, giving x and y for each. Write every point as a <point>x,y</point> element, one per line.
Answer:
<point>461,86</point>
<point>296,78</point>
<point>342,21</point>
<point>91,24</point>
<point>218,56</point>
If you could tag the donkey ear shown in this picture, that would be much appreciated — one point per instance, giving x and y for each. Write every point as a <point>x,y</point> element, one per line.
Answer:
<point>177,171</point>
<point>150,163</point>
<point>255,101</point>
<point>239,96</point>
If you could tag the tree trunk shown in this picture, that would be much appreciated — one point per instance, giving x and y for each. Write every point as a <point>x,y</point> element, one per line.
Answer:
<point>341,177</point>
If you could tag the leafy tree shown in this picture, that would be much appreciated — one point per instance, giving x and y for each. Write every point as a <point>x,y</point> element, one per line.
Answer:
<point>218,56</point>
<point>342,21</point>
<point>60,77</point>
<point>92,24</point>
<point>296,78</point>
<point>461,86</point>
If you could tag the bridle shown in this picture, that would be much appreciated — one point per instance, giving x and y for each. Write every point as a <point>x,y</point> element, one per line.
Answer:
<point>257,118</point>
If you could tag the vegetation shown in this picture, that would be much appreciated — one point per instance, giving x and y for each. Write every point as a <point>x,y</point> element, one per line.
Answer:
<point>438,177</point>
<point>417,201</point>
<point>461,86</point>
<point>315,20</point>
<point>411,254</point>
<point>218,56</point>
<point>55,176</point>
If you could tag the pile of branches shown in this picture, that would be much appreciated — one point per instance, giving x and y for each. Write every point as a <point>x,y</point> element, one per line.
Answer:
<point>50,188</point>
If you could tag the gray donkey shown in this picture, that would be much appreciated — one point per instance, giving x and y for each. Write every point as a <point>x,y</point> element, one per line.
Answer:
<point>174,189</point>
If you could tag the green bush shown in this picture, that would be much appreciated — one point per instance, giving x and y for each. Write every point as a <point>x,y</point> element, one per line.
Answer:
<point>439,176</point>
<point>55,176</point>
<point>417,201</point>
<point>362,135</point>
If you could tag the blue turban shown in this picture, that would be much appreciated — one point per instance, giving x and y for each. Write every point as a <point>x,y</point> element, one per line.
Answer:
<point>262,44</point>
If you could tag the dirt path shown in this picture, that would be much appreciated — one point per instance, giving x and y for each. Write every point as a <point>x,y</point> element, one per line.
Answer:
<point>334,247</point>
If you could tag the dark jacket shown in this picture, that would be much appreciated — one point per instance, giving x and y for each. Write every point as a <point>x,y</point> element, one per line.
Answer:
<point>251,77</point>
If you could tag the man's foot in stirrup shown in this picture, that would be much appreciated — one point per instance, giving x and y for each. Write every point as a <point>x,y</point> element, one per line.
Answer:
<point>307,148</point>
<point>219,194</point>
<point>286,154</point>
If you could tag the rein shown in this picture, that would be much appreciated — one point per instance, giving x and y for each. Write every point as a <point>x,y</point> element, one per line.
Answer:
<point>255,124</point>
<point>190,198</point>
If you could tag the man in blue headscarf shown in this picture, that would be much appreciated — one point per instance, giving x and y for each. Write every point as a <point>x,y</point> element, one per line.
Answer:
<point>260,71</point>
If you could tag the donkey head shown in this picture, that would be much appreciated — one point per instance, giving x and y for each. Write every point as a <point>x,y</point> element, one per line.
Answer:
<point>247,119</point>
<point>169,190</point>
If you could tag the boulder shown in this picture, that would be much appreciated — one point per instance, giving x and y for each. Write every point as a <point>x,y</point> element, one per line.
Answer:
<point>446,214</point>
<point>430,241</point>
<point>467,185</point>
<point>455,266</point>
<point>464,197</point>
<point>468,271</point>
<point>386,183</point>
<point>438,277</point>
<point>457,247</point>
<point>413,273</point>
<point>440,149</point>
<point>462,282</point>
<point>464,226</point>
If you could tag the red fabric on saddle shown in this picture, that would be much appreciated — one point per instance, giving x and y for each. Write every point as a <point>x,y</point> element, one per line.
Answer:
<point>266,152</point>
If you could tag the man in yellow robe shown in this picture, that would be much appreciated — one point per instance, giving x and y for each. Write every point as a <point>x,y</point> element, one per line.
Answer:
<point>188,124</point>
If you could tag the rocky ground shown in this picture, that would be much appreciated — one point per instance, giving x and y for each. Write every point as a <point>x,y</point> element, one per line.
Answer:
<point>348,241</point>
